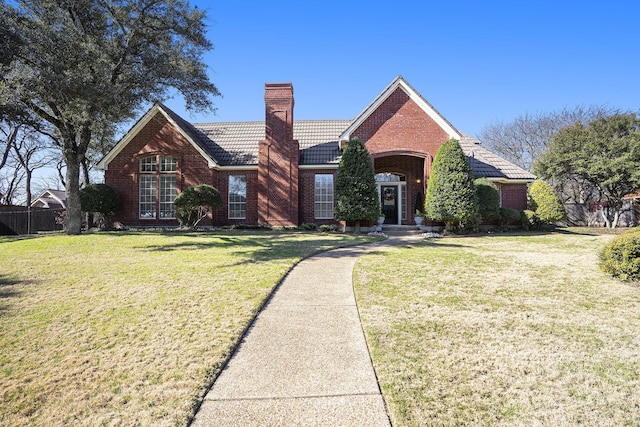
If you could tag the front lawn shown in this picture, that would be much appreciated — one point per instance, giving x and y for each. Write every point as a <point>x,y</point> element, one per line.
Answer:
<point>129,328</point>
<point>502,330</point>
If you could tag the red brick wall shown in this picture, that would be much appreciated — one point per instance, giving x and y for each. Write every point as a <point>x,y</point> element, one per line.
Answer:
<point>399,124</point>
<point>514,196</point>
<point>307,195</point>
<point>157,137</point>
<point>221,217</point>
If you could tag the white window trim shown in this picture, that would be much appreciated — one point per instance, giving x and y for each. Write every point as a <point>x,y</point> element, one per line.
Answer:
<point>323,203</point>
<point>230,203</point>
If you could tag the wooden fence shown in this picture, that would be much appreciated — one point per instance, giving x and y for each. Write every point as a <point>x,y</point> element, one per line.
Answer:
<point>22,220</point>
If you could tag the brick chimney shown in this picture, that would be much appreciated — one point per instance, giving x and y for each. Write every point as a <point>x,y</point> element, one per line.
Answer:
<point>278,157</point>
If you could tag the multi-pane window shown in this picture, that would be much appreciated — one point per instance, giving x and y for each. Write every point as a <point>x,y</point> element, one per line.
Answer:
<point>147,196</point>
<point>167,196</point>
<point>158,187</point>
<point>323,196</point>
<point>237,197</point>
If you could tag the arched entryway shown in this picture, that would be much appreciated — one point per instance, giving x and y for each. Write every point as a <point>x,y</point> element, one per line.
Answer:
<point>400,178</point>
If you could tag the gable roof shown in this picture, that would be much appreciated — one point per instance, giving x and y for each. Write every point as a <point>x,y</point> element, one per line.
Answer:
<point>185,128</point>
<point>399,82</point>
<point>53,199</point>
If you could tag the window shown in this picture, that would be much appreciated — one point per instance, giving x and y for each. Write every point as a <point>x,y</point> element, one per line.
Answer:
<point>158,187</point>
<point>237,197</point>
<point>323,196</point>
<point>147,196</point>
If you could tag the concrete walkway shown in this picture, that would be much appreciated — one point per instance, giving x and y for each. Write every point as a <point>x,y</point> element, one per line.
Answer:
<point>304,361</point>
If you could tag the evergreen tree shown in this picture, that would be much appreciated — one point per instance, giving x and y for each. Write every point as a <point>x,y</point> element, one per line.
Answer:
<point>356,193</point>
<point>451,195</point>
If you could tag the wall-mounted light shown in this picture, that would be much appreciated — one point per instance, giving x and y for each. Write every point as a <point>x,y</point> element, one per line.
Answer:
<point>418,181</point>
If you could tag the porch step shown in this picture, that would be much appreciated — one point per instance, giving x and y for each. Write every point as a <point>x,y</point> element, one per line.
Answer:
<point>401,229</point>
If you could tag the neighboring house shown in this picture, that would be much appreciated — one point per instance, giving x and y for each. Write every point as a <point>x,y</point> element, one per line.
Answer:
<point>51,199</point>
<point>282,171</point>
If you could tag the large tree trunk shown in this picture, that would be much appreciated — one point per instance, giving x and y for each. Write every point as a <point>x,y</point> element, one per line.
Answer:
<point>73,219</point>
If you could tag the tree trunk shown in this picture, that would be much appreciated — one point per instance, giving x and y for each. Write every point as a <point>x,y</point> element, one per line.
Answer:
<point>605,216</point>
<point>73,219</point>
<point>28,186</point>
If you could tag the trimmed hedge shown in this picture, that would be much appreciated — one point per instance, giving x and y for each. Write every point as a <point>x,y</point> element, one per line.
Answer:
<point>621,256</point>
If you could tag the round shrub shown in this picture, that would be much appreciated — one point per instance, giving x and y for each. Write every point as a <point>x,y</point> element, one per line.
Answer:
<point>544,201</point>
<point>621,256</point>
<point>100,198</point>
<point>509,216</point>
<point>195,203</point>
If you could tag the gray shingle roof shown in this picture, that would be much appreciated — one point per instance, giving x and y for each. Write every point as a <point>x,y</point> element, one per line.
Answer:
<point>236,143</point>
<point>485,163</point>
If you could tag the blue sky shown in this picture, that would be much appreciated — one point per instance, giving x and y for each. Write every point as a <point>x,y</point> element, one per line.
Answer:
<point>476,62</point>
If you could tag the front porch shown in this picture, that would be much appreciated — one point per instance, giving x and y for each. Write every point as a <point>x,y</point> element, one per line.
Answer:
<point>401,181</point>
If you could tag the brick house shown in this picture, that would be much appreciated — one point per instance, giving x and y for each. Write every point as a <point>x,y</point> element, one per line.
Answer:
<point>282,171</point>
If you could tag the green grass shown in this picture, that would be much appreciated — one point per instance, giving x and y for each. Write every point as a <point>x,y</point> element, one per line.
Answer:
<point>502,330</point>
<point>130,328</point>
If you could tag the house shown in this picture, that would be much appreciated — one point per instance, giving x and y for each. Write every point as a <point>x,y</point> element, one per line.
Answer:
<point>282,171</point>
<point>51,199</point>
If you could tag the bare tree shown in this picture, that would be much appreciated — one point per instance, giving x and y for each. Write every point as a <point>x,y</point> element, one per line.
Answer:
<point>26,147</point>
<point>31,153</point>
<point>523,140</point>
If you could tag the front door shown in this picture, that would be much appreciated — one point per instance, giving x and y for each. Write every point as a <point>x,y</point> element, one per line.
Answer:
<point>389,198</point>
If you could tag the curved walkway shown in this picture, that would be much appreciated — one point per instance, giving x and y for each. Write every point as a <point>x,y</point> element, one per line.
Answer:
<point>304,361</point>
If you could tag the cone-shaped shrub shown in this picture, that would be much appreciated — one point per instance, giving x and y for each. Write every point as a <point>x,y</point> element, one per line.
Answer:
<point>451,195</point>
<point>356,193</point>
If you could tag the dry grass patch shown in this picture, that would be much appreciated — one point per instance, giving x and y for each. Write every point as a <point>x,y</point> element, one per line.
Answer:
<point>129,329</point>
<point>506,330</point>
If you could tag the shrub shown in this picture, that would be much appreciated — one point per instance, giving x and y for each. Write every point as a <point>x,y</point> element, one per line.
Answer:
<point>100,198</point>
<point>451,196</point>
<point>621,256</point>
<point>327,228</point>
<point>195,203</point>
<point>509,216</point>
<point>356,192</point>
<point>530,220</point>
<point>252,227</point>
<point>544,201</point>
<point>308,226</point>
<point>488,199</point>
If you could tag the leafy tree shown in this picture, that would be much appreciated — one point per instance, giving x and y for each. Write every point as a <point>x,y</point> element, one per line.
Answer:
<point>451,196</point>
<point>605,153</point>
<point>488,199</point>
<point>85,65</point>
<point>544,201</point>
<point>356,192</point>
<point>195,203</point>
<point>100,198</point>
